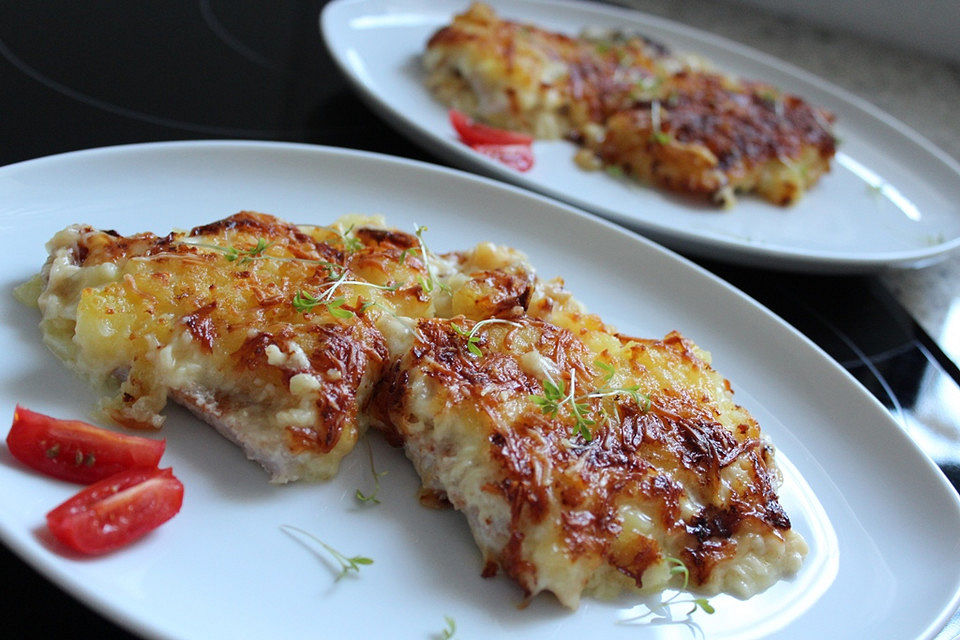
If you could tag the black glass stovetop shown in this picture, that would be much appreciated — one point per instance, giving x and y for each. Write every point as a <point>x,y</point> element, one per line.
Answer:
<point>77,75</point>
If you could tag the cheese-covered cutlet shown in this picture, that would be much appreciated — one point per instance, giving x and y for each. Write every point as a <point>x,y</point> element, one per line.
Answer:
<point>587,461</point>
<point>666,120</point>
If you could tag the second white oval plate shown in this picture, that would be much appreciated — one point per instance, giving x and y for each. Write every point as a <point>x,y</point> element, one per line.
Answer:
<point>889,201</point>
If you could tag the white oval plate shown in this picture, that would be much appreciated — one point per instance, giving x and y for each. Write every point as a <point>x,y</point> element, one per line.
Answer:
<point>882,563</point>
<point>889,201</point>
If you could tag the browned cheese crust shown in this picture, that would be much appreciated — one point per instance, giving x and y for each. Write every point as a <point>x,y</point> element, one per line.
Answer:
<point>673,470</point>
<point>663,119</point>
<point>582,459</point>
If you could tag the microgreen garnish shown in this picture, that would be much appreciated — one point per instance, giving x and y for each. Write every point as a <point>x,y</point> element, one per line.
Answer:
<point>450,630</point>
<point>372,498</point>
<point>555,396</point>
<point>678,568</point>
<point>614,170</point>
<point>246,256</point>
<point>350,243</point>
<point>606,391</point>
<point>658,135</point>
<point>335,307</point>
<point>773,99</point>
<point>304,301</point>
<point>431,282</point>
<point>347,565</point>
<point>646,87</point>
<point>661,137</point>
<point>473,338</point>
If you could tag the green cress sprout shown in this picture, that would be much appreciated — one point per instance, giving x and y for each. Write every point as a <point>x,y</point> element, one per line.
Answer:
<point>233,254</point>
<point>661,137</point>
<point>606,391</point>
<point>304,301</point>
<point>472,336</point>
<point>450,630</point>
<point>346,564</point>
<point>658,136</point>
<point>246,256</point>
<point>614,171</point>
<point>350,243</point>
<point>431,282</point>
<point>372,498</point>
<point>677,567</point>
<point>555,396</point>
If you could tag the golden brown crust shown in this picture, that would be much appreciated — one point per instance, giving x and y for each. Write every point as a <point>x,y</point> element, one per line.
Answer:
<point>662,119</point>
<point>664,454</point>
<point>575,451</point>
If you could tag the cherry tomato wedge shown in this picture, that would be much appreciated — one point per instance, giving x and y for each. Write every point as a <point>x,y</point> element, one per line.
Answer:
<point>515,156</point>
<point>116,511</point>
<point>473,133</point>
<point>77,451</point>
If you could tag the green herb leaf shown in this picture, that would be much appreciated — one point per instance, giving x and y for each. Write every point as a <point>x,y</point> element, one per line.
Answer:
<point>702,603</point>
<point>613,170</point>
<point>431,282</point>
<point>304,302</point>
<point>608,369</point>
<point>347,564</point>
<point>247,256</point>
<point>677,567</point>
<point>335,308</point>
<point>372,498</point>
<point>450,630</point>
<point>661,137</point>
<point>350,243</point>
<point>473,337</point>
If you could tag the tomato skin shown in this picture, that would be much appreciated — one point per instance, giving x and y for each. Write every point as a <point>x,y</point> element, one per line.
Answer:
<point>515,156</point>
<point>473,133</point>
<point>76,451</point>
<point>116,511</point>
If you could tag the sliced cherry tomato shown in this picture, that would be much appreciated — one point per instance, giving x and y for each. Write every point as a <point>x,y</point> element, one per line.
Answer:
<point>77,451</point>
<point>515,156</point>
<point>116,511</point>
<point>473,133</point>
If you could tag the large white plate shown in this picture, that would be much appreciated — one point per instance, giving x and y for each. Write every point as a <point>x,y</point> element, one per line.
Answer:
<point>890,200</point>
<point>879,517</point>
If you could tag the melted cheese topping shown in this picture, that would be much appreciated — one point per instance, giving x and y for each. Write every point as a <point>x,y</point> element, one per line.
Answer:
<point>662,118</point>
<point>684,473</point>
<point>453,356</point>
